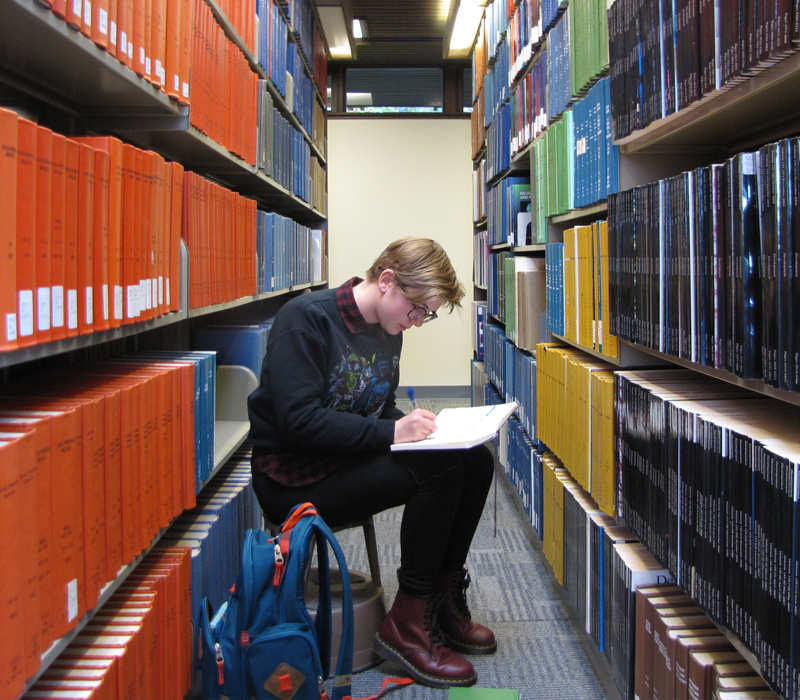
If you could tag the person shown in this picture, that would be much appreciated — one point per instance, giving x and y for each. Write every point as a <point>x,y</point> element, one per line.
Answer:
<point>322,423</point>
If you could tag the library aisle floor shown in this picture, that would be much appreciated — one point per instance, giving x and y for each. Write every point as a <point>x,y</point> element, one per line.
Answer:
<point>540,650</point>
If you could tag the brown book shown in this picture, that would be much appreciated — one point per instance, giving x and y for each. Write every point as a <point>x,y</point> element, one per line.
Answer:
<point>681,645</point>
<point>744,682</point>
<point>649,598</point>
<point>664,649</point>
<point>702,671</point>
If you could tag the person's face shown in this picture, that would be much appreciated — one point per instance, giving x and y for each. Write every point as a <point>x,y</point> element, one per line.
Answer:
<point>394,310</point>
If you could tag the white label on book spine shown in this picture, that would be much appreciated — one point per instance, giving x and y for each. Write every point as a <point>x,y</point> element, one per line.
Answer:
<point>132,301</point>
<point>118,302</point>
<point>43,299</point>
<point>77,7</point>
<point>72,600</point>
<point>87,13</point>
<point>11,326</point>
<point>748,163</point>
<point>105,302</point>
<point>160,290</point>
<point>72,309</point>
<point>89,305</point>
<point>123,42</point>
<point>112,34</point>
<point>103,21</point>
<point>58,307</point>
<point>26,312</point>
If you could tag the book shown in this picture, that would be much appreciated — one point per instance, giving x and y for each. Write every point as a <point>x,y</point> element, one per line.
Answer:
<point>483,694</point>
<point>462,428</point>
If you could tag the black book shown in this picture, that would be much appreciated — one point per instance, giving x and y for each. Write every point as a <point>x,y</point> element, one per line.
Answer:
<point>704,297</point>
<point>613,264</point>
<point>708,51</point>
<point>795,24</point>
<point>769,263</point>
<point>732,243</point>
<point>719,263</point>
<point>668,55</point>
<point>791,271</point>
<point>750,339</point>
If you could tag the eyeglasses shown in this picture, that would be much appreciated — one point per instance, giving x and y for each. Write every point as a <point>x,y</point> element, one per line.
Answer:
<point>419,312</point>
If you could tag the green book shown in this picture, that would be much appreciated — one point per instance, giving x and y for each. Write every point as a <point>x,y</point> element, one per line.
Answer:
<point>483,694</point>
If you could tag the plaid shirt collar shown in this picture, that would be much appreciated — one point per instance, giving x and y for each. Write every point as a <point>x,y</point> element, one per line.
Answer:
<point>346,303</point>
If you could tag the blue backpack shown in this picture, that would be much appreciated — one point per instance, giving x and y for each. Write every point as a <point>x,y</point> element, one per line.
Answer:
<point>262,643</point>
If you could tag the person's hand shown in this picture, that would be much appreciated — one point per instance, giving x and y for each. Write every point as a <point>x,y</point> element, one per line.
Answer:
<point>417,425</point>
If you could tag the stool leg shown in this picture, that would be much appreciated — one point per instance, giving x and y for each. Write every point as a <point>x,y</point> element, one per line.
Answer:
<point>372,552</point>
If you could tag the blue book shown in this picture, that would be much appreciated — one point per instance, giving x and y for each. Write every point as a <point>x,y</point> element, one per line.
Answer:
<point>244,345</point>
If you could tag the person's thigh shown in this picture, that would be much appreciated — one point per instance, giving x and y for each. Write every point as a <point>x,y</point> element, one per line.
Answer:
<point>361,486</point>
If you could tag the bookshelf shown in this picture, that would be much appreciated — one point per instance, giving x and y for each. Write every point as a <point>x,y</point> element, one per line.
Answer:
<point>55,75</point>
<point>752,110</point>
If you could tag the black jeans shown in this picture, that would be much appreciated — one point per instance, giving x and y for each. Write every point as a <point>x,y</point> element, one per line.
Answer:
<point>444,492</point>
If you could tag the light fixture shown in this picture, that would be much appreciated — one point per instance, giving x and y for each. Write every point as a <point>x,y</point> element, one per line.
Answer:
<point>333,16</point>
<point>462,27</point>
<point>360,28</point>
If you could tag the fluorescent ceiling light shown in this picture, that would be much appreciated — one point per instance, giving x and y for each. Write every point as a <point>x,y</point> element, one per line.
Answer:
<point>465,28</point>
<point>335,30</point>
<point>359,99</point>
<point>359,28</point>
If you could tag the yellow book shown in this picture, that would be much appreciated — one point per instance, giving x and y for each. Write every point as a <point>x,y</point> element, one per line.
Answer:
<point>610,344</point>
<point>585,286</point>
<point>570,282</point>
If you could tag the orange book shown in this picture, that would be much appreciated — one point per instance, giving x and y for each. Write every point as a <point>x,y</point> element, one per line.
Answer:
<point>44,153</point>
<point>139,234</point>
<point>58,7</point>
<point>124,15</point>
<point>99,23</point>
<point>158,229</point>
<point>149,234</point>
<point>26,233</point>
<point>185,57</point>
<point>57,212</point>
<point>86,19</point>
<point>115,149</point>
<point>55,389</point>
<point>40,598</point>
<point>172,49</point>
<point>158,40</point>
<point>16,508</point>
<point>71,219</point>
<point>136,36</point>
<point>101,298</point>
<point>86,194</point>
<point>120,647</point>
<point>148,40</point>
<point>175,231</point>
<point>75,13</point>
<point>9,128</point>
<point>128,234</point>
<point>113,28</point>
<point>67,597</point>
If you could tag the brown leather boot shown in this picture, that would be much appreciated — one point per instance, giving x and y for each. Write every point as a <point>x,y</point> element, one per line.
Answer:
<point>460,633</point>
<point>410,634</point>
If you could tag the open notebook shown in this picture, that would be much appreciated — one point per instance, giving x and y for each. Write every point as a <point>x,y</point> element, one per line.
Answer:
<point>462,428</point>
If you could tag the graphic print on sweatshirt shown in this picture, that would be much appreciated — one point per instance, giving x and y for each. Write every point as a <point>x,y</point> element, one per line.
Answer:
<point>359,384</point>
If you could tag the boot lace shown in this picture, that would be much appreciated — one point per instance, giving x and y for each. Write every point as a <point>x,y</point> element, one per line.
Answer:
<point>459,595</point>
<point>432,624</point>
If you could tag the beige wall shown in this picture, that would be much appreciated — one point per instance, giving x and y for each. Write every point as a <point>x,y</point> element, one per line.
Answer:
<point>389,178</point>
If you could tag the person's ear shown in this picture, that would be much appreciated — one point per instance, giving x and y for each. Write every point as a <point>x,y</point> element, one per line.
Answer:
<point>386,280</point>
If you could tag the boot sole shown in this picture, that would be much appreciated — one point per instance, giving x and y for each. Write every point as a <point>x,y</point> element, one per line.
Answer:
<point>391,654</point>
<point>467,649</point>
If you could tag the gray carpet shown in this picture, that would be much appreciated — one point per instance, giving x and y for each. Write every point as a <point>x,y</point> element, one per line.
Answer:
<point>540,650</point>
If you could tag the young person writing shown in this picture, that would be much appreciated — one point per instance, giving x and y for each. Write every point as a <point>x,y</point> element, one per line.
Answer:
<point>322,422</point>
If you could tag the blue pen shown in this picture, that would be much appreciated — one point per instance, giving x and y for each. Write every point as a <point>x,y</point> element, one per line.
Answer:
<point>413,397</point>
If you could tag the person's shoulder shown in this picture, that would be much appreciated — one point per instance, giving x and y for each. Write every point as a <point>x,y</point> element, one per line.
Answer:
<point>307,307</point>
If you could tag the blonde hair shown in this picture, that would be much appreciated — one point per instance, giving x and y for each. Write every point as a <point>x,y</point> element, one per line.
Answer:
<point>422,270</point>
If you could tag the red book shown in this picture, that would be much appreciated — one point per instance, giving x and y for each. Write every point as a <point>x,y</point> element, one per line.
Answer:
<point>18,480</point>
<point>114,148</point>
<point>26,233</point>
<point>40,423</point>
<point>158,42</point>
<point>99,27</point>
<point>86,193</point>
<point>75,13</point>
<point>175,232</point>
<point>9,127</point>
<point>15,450</point>
<point>113,27</point>
<point>149,234</point>
<point>140,210</point>
<point>101,302</point>
<point>136,36</point>
<point>72,202</point>
<point>124,18</point>
<point>57,212</point>
<point>159,232</point>
<point>129,274</point>
<point>185,57</point>
<point>86,19</point>
<point>59,7</point>
<point>43,294</point>
<point>172,49</point>
<point>147,39</point>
